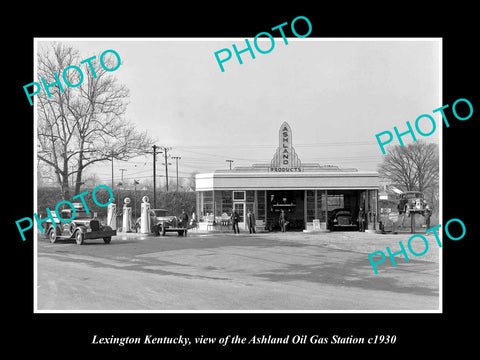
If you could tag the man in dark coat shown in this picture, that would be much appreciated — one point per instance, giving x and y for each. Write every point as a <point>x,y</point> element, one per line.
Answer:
<point>235,217</point>
<point>428,214</point>
<point>251,221</point>
<point>361,220</point>
<point>283,221</point>
<point>183,219</point>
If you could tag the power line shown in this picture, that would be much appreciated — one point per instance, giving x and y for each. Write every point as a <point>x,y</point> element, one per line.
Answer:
<point>273,146</point>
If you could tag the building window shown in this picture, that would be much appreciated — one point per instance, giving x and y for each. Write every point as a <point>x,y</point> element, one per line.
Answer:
<point>335,201</point>
<point>207,206</point>
<point>322,205</point>
<point>239,196</point>
<point>227,202</point>
<point>250,196</point>
<point>250,199</point>
<point>310,205</point>
<point>261,205</point>
<point>217,202</point>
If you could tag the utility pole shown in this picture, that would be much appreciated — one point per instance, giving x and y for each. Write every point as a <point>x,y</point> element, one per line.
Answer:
<point>165,153</point>
<point>122,170</point>
<point>176,166</point>
<point>166,166</point>
<point>154,176</point>
<point>135,183</point>
<point>230,161</point>
<point>120,184</point>
<point>155,152</point>
<point>112,170</point>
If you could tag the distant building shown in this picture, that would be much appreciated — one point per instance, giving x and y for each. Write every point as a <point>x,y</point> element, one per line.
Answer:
<point>388,192</point>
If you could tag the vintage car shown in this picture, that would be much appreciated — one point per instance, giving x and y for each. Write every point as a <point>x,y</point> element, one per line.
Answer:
<point>341,219</point>
<point>82,227</point>
<point>411,201</point>
<point>161,223</point>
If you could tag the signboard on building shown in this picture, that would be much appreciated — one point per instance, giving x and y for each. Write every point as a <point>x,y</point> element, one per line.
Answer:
<point>285,158</point>
<point>283,169</point>
<point>393,216</point>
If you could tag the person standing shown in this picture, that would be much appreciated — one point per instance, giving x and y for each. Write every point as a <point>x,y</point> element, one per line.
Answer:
<point>428,214</point>
<point>235,217</point>
<point>361,220</point>
<point>251,221</point>
<point>283,221</point>
<point>183,219</point>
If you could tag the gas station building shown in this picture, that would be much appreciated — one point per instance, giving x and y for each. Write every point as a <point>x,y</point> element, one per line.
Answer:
<point>307,192</point>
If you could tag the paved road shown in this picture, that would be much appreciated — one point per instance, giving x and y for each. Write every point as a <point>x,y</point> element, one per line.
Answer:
<point>273,271</point>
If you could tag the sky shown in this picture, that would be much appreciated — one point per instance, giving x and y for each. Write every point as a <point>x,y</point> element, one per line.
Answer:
<point>336,94</point>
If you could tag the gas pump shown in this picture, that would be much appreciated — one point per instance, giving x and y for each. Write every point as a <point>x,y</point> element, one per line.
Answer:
<point>145,216</point>
<point>127,216</point>
<point>112,216</point>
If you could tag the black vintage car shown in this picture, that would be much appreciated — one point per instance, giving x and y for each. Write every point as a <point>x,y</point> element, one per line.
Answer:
<point>341,219</point>
<point>81,228</point>
<point>161,223</point>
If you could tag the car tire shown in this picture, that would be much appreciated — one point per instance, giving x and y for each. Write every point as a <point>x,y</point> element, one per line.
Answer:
<point>107,239</point>
<point>79,237</point>
<point>52,236</point>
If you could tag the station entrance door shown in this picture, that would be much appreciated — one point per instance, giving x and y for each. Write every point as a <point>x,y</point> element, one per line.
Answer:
<point>239,207</point>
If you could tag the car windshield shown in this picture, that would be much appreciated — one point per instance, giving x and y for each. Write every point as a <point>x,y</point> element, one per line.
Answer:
<point>343,213</point>
<point>82,214</point>
<point>79,214</point>
<point>160,213</point>
<point>66,214</point>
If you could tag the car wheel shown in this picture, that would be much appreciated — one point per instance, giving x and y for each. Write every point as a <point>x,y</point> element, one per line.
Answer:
<point>107,239</point>
<point>79,237</point>
<point>52,236</point>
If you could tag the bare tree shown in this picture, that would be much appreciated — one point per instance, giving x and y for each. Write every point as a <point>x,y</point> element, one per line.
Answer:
<point>55,123</point>
<point>82,125</point>
<point>189,181</point>
<point>414,167</point>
